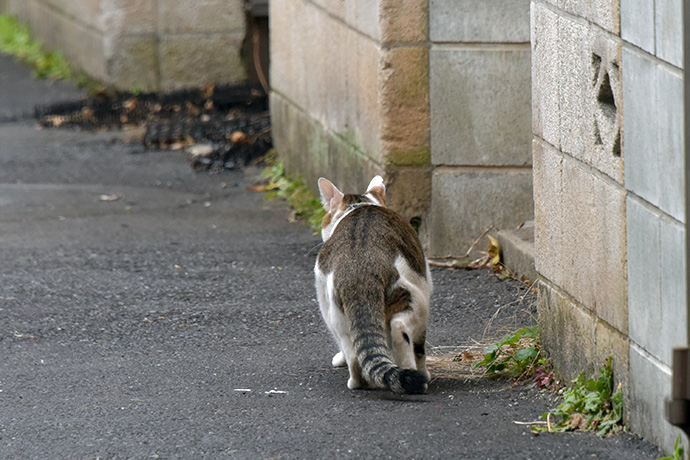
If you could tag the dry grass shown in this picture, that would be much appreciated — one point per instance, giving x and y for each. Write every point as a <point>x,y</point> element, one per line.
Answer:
<point>455,362</point>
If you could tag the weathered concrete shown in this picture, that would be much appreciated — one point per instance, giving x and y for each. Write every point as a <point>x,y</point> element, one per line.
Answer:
<point>142,44</point>
<point>471,21</point>
<point>517,250</point>
<point>480,103</point>
<point>609,193</point>
<point>469,200</point>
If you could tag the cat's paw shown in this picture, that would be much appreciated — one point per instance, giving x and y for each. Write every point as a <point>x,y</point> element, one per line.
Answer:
<point>339,360</point>
<point>353,384</point>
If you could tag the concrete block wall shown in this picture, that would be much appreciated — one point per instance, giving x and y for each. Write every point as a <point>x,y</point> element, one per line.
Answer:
<point>434,94</point>
<point>653,143</point>
<point>146,44</point>
<point>609,193</point>
<point>480,120</point>
<point>350,94</point>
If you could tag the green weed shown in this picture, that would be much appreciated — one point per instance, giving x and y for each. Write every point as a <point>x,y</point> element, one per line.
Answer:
<point>588,405</point>
<point>293,189</point>
<point>518,355</point>
<point>678,451</point>
<point>15,39</point>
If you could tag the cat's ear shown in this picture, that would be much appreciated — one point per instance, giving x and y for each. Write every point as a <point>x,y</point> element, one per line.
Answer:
<point>377,190</point>
<point>331,197</point>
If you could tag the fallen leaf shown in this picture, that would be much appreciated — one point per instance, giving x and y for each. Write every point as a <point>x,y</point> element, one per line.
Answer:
<point>494,250</point>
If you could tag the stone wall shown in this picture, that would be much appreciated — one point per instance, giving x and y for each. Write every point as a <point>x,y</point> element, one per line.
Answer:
<point>145,44</point>
<point>609,193</point>
<point>434,94</point>
<point>480,120</point>
<point>349,96</point>
<point>653,142</point>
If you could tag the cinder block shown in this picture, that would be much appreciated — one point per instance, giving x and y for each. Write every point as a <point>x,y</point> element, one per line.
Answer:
<point>288,21</point>
<point>575,7</point>
<point>404,103</point>
<point>363,99</point>
<point>465,202</point>
<point>333,7</point>
<point>312,151</point>
<point>548,211</point>
<point>364,16</point>
<point>574,80</point>
<point>194,60</point>
<point>546,75</point>
<point>129,17</point>
<point>403,22</point>
<point>133,62</point>
<point>644,293</point>
<point>567,331</point>
<point>81,45</point>
<point>580,242</point>
<point>671,141</point>
<point>480,106</point>
<point>590,96</point>
<point>608,255</point>
<point>669,31</point>
<point>611,342</point>
<point>580,233</point>
<point>215,16</point>
<point>506,21</point>
<point>606,13</point>
<point>637,23</point>
<point>650,385</point>
<point>325,94</point>
<point>672,270</point>
<point>88,12</point>
<point>640,135</point>
<point>603,148</point>
<point>409,191</point>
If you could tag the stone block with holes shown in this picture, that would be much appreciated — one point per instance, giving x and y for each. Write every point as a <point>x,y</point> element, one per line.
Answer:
<point>590,96</point>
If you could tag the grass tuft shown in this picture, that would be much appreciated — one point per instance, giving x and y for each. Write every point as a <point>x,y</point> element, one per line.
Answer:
<point>293,189</point>
<point>15,39</point>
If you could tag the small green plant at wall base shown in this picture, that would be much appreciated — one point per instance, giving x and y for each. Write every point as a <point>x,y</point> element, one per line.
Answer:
<point>304,203</point>
<point>517,355</point>
<point>16,40</point>
<point>588,405</point>
<point>678,451</point>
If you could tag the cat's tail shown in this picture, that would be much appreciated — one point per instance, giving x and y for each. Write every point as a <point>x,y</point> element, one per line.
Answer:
<point>378,367</point>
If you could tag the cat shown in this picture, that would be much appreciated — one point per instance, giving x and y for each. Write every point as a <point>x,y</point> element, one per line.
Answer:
<point>373,286</point>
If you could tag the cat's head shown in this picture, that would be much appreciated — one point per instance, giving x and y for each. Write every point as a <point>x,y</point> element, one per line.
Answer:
<point>338,205</point>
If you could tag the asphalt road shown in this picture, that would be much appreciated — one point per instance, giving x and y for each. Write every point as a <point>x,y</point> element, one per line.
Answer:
<point>180,322</point>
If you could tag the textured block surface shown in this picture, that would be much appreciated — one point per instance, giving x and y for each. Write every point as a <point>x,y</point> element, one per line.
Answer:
<point>480,102</point>
<point>644,289</point>
<point>580,233</point>
<point>506,21</point>
<point>669,31</point>
<point>458,216</point>
<point>653,139</point>
<point>637,24</point>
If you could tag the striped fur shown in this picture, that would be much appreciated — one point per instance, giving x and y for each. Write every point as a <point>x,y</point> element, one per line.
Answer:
<point>373,285</point>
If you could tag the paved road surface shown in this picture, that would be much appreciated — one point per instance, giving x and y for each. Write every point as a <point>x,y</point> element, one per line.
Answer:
<point>180,322</point>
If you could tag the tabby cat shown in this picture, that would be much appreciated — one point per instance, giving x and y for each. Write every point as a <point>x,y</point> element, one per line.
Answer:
<point>373,285</point>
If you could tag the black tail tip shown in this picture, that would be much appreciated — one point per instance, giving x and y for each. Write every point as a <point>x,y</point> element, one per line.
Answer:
<point>413,381</point>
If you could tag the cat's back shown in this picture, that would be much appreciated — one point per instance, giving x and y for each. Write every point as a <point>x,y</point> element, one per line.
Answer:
<point>369,237</point>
